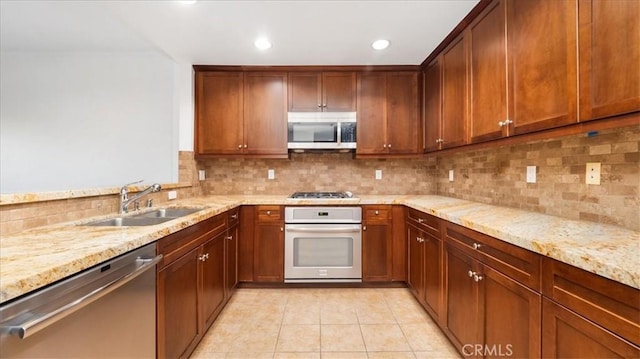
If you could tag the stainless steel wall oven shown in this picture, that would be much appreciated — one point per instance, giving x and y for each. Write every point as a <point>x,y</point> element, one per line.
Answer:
<point>323,244</point>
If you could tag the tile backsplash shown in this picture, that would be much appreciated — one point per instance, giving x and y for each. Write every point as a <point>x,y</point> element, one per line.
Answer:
<point>318,172</point>
<point>495,175</point>
<point>498,176</point>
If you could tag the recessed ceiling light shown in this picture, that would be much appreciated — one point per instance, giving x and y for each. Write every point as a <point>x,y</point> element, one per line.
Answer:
<point>380,44</point>
<point>262,43</point>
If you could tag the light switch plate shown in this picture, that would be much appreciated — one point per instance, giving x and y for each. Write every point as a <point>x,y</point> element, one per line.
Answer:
<point>201,175</point>
<point>593,173</point>
<point>450,175</point>
<point>172,195</point>
<point>531,174</point>
<point>271,174</point>
<point>378,174</point>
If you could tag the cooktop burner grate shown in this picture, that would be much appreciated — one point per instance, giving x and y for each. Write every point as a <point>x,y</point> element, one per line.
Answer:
<point>320,195</point>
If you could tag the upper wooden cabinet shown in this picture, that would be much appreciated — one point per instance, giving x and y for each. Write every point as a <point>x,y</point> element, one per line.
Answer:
<point>454,94</point>
<point>609,57</point>
<point>241,113</point>
<point>542,64</point>
<point>322,91</point>
<point>523,73</point>
<point>388,108</point>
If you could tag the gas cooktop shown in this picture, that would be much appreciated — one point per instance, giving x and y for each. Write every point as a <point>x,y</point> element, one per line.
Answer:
<point>321,195</point>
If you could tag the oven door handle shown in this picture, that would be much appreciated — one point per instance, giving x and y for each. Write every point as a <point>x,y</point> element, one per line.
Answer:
<point>351,229</point>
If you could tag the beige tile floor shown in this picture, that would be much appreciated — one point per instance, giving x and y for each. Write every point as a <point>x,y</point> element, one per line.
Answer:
<point>348,323</point>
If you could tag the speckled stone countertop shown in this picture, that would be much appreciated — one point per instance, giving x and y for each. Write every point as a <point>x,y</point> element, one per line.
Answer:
<point>40,256</point>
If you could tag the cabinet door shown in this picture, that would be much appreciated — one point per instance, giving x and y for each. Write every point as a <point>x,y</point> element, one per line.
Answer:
<point>377,252</point>
<point>265,113</point>
<point>372,110</point>
<point>245,244</point>
<point>268,263</point>
<point>463,322</point>
<point>415,273</point>
<point>488,77</point>
<point>454,94</point>
<point>512,315</point>
<point>403,126</point>
<point>177,296</point>
<point>432,106</point>
<point>219,112</point>
<point>542,61</point>
<point>212,279</point>
<point>568,335</point>
<point>231,260</point>
<point>305,91</point>
<point>609,57</point>
<point>433,276</point>
<point>338,91</point>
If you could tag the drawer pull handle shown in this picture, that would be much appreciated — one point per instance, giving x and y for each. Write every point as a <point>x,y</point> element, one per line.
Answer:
<point>476,245</point>
<point>420,220</point>
<point>229,238</point>
<point>234,216</point>
<point>471,274</point>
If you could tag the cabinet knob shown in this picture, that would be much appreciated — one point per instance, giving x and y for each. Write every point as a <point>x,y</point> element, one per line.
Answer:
<point>234,216</point>
<point>477,278</point>
<point>229,238</point>
<point>281,229</point>
<point>389,145</point>
<point>239,147</point>
<point>420,220</point>
<point>324,105</point>
<point>364,228</point>
<point>506,122</point>
<point>377,213</point>
<point>384,145</point>
<point>201,258</point>
<point>320,105</point>
<point>245,146</point>
<point>476,245</point>
<point>268,213</point>
<point>471,273</point>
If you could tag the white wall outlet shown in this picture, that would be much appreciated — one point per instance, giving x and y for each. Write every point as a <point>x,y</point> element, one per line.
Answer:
<point>172,195</point>
<point>202,175</point>
<point>531,174</point>
<point>593,173</point>
<point>450,175</point>
<point>271,174</point>
<point>378,174</point>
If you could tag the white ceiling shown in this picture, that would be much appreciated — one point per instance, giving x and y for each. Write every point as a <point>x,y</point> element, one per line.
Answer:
<point>222,32</point>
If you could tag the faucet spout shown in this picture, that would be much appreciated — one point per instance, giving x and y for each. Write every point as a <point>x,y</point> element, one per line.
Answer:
<point>125,200</point>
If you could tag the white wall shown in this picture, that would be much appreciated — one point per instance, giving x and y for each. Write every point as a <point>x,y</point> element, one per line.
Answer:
<point>75,120</point>
<point>185,92</point>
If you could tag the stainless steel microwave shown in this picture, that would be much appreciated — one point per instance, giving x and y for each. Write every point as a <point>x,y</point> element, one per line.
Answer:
<point>322,130</point>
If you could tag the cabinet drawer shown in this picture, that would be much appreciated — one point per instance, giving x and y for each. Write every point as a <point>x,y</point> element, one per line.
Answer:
<point>426,222</point>
<point>269,213</point>
<point>606,302</point>
<point>377,214</point>
<point>513,261</point>
<point>177,244</point>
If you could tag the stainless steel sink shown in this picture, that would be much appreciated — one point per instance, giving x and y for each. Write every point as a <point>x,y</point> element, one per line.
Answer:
<point>128,221</point>
<point>158,216</point>
<point>168,212</point>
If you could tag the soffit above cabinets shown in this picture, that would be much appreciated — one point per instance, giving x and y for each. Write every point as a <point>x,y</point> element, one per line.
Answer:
<point>223,32</point>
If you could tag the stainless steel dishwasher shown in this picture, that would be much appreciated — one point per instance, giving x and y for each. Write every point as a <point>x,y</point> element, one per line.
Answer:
<point>107,311</point>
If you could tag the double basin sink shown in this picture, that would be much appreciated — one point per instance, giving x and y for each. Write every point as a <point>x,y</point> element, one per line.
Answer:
<point>144,219</point>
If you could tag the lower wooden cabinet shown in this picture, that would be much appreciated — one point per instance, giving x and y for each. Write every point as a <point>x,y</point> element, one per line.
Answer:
<point>377,244</point>
<point>193,283</point>
<point>566,334</point>
<point>231,252</point>
<point>415,259</point>
<point>268,244</point>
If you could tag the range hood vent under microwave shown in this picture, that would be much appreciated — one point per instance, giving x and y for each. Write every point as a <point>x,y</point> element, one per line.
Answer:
<point>321,131</point>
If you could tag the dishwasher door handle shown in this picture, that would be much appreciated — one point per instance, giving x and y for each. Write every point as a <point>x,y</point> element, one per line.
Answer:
<point>36,324</point>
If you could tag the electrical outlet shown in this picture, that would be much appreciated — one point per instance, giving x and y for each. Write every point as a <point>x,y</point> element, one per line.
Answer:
<point>201,175</point>
<point>450,175</point>
<point>172,195</point>
<point>593,173</point>
<point>531,174</point>
<point>378,174</point>
<point>271,174</point>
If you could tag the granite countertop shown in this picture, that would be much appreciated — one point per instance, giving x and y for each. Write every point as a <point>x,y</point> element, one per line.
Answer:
<point>40,256</point>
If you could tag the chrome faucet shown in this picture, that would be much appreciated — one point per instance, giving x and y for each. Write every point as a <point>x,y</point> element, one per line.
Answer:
<point>124,195</point>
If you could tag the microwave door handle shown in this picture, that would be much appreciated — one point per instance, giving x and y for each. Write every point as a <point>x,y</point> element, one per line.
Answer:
<point>323,230</point>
